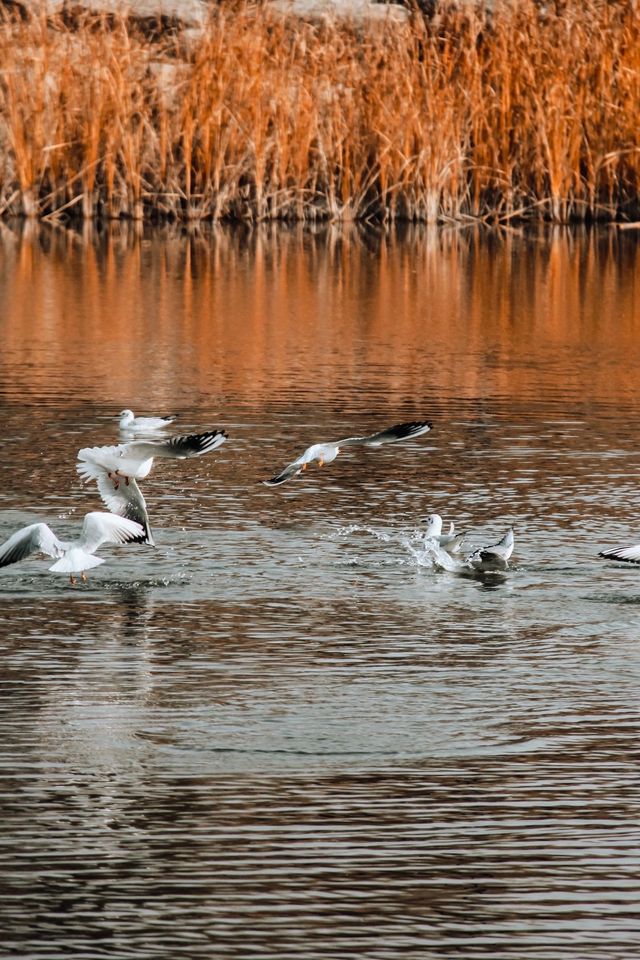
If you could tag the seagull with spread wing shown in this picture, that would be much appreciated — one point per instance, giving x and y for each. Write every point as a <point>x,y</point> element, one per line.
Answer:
<point>74,556</point>
<point>327,452</point>
<point>123,499</point>
<point>133,460</point>
<point>130,462</point>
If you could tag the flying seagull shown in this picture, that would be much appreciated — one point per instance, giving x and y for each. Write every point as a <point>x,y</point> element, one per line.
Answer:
<point>128,421</point>
<point>123,499</point>
<point>451,542</point>
<point>495,555</point>
<point>625,554</point>
<point>327,452</point>
<point>133,460</point>
<point>74,556</point>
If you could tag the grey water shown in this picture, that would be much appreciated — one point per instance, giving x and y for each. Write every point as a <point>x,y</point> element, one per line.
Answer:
<point>280,733</point>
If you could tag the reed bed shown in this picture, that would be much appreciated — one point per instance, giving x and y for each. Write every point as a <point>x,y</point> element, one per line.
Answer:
<point>529,112</point>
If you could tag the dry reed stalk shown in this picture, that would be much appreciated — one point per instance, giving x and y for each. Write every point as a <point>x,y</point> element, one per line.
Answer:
<point>530,111</point>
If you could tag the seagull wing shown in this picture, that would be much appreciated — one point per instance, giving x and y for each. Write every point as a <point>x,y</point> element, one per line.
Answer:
<point>126,501</point>
<point>501,550</point>
<point>288,472</point>
<point>626,554</point>
<point>99,528</point>
<point>36,538</point>
<point>153,423</point>
<point>177,448</point>
<point>401,431</point>
<point>91,460</point>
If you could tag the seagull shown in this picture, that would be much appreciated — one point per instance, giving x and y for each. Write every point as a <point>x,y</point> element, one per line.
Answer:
<point>133,460</point>
<point>123,499</point>
<point>451,542</point>
<point>327,452</point>
<point>625,554</point>
<point>73,556</point>
<point>130,422</point>
<point>494,555</point>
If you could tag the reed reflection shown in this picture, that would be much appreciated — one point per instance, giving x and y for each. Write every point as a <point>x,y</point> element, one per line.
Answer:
<point>452,314</point>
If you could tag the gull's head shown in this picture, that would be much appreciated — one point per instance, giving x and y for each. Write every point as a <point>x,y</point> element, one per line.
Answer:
<point>434,525</point>
<point>126,416</point>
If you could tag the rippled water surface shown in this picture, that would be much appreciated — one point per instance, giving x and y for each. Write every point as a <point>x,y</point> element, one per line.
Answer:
<point>281,733</point>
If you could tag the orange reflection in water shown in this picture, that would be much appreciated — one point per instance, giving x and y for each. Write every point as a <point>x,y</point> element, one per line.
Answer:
<point>142,316</point>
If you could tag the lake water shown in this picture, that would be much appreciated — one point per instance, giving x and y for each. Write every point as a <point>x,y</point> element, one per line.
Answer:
<point>280,734</point>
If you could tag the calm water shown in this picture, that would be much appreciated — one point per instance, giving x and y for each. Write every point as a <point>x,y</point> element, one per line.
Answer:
<point>279,734</point>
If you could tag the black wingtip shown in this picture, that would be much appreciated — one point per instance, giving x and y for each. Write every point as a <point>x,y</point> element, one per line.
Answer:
<point>145,538</point>
<point>12,556</point>
<point>199,442</point>
<point>611,555</point>
<point>406,430</point>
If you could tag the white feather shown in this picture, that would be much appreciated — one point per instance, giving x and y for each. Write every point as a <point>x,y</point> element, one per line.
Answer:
<point>72,556</point>
<point>128,421</point>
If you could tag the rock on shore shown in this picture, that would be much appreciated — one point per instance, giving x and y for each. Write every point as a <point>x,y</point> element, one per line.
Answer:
<point>181,13</point>
<point>192,14</point>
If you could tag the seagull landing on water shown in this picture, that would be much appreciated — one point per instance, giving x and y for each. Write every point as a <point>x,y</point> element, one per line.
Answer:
<point>624,554</point>
<point>327,452</point>
<point>495,555</point>
<point>451,541</point>
<point>128,421</point>
<point>73,556</point>
<point>133,461</point>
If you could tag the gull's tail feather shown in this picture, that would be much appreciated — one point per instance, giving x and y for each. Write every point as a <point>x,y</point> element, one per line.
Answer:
<point>87,470</point>
<point>74,561</point>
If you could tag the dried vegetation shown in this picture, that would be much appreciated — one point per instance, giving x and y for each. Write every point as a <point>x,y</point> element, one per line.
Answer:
<point>529,112</point>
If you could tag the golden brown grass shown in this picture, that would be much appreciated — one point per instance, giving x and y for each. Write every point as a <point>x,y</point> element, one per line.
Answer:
<point>523,113</point>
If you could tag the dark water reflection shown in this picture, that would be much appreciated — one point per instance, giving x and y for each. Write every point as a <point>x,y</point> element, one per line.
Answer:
<point>279,734</point>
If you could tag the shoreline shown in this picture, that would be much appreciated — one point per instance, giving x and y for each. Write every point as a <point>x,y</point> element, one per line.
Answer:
<point>521,115</point>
